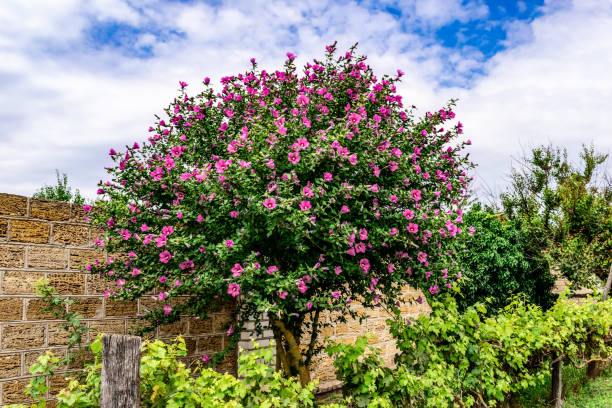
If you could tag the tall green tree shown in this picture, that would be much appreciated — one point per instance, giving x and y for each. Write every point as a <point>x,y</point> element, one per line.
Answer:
<point>565,210</point>
<point>60,192</point>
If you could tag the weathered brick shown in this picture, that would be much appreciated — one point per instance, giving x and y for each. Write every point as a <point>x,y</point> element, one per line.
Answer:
<point>80,258</point>
<point>200,326</point>
<point>106,326</point>
<point>34,310</point>
<point>120,308</point>
<point>88,307</point>
<point>76,213</point>
<point>10,309</point>
<point>23,336</point>
<point>210,344</point>
<point>49,210</point>
<point>68,283</point>
<point>45,257</point>
<point>11,204</point>
<point>30,231</point>
<point>190,343</point>
<point>173,329</point>
<point>221,323</point>
<point>11,256</point>
<point>10,366</point>
<point>13,391</point>
<point>32,356</point>
<point>57,335</point>
<point>70,234</point>
<point>20,283</point>
<point>57,383</point>
<point>3,228</point>
<point>97,284</point>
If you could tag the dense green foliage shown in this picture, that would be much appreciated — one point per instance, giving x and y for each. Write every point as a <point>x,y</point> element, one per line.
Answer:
<point>165,381</point>
<point>292,191</point>
<point>450,358</point>
<point>497,263</point>
<point>565,210</point>
<point>60,192</point>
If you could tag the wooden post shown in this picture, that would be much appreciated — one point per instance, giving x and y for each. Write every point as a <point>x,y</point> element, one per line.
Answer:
<point>120,386</point>
<point>557,382</point>
<point>595,368</point>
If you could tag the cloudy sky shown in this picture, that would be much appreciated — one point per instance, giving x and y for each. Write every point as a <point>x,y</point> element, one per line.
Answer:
<point>80,76</point>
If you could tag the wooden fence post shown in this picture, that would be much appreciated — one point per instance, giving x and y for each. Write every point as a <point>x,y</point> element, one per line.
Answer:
<point>557,381</point>
<point>120,386</point>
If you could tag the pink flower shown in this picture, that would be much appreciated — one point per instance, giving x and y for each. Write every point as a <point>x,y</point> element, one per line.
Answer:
<point>351,251</point>
<point>167,230</point>
<point>364,264</point>
<point>161,241</point>
<point>353,159</point>
<point>302,99</point>
<point>393,231</point>
<point>269,203</point>
<point>327,176</point>
<point>233,289</point>
<point>409,214</point>
<point>177,283</point>
<point>344,209</point>
<point>167,310</point>
<point>413,228</point>
<point>144,227</point>
<point>200,218</point>
<point>135,272</point>
<point>305,205</point>
<point>422,257</point>
<point>272,269</point>
<point>165,256</point>
<point>237,270</point>
<point>472,230</point>
<point>434,289</point>
<point>87,208</point>
<point>230,330</point>
<point>307,192</point>
<point>125,234</point>
<point>309,305</point>
<point>336,294</point>
<point>282,294</point>
<point>294,157</point>
<point>162,296</point>
<point>120,282</point>
<point>301,286</point>
<point>337,270</point>
<point>270,163</point>
<point>162,279</point>
<point>363,234</point>
<point>234,214</point>
<point>229,243</point>
<point>360,248</point>
<point>416,195</point>
<point>354,118</point>
<point>205,358</point>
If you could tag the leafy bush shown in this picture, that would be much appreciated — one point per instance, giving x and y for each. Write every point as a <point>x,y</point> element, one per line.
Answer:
<point>61,192</point>
<point>497,262</point>
<point>293,193</point>
<point>450,358</point>
<point>165,381</point>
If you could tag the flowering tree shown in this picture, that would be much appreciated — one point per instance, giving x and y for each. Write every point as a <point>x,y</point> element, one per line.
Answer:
<point>293,194</point>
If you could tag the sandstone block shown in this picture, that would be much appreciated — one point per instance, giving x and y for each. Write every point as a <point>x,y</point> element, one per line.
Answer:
<point>47,258</point>
<point>20,283</point>
<point>57,383</point>
<point>200,326</point>
<point>23,336</point>
<point>120,308</point>
<point>96,284</point>
<point>12,256</point>
<point>10,309</point>
<point>57,335</point>
<point>76,213</point>
<point>11,204</point>
<point>34,310</point>
<point>88,307</point>
<point>3,228</point>
<point>30,231</point>
<point>80,258</point>
<point>69,234</point>
<point>10,365</point>
<point>68,283</point>
<point>173,329</point>
<point>49,210</point>
<point>221,323</point>
<point>13,391</point>
<point>106,326</point>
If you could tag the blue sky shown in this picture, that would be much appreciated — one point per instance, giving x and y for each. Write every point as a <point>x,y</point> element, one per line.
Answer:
<point>81,76</point>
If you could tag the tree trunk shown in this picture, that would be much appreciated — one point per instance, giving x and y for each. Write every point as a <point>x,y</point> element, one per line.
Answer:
<point>557,382</point>
<point>120,384</point>
<point>291,353</point>
<point>595,368</point>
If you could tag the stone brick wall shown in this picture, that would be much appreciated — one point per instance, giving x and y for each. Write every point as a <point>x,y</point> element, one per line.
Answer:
<point>41,238</point>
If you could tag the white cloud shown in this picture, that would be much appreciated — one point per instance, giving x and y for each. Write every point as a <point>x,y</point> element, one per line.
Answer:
<point>64,103</point>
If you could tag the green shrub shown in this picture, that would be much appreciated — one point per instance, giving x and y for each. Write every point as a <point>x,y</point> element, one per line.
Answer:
<point>466,359</point>
<point>165,381</point>
<point>498,262</point>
